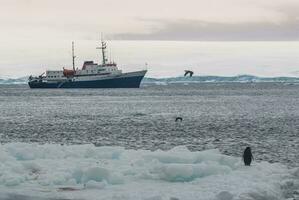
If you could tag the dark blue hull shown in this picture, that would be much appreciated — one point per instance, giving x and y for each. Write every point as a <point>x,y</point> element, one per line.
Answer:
<point>121,82</point>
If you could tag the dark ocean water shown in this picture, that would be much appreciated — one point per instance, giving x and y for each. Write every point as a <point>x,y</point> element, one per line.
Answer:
<point>227,116</point>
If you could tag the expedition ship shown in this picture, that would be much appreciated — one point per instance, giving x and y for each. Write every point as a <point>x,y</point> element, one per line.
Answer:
<point>92,75</point>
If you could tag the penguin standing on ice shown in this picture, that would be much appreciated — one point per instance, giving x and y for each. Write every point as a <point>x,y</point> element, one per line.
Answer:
<point>247,156</point>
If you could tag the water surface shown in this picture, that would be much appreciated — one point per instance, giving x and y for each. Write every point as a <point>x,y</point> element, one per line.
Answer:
<point>227,116</point>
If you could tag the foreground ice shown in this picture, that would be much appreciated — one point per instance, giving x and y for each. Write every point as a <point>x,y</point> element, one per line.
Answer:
<point>31,171</point>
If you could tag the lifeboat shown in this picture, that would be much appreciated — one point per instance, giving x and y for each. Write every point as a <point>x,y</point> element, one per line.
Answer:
<point>68,72</point>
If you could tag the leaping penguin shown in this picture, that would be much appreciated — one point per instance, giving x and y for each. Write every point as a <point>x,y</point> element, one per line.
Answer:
<point>188,72</point>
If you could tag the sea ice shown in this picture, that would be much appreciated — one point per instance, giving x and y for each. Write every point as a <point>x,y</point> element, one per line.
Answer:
<point>90,172</point>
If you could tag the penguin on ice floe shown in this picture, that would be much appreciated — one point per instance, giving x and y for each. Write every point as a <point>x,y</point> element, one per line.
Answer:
<point>247,156</point>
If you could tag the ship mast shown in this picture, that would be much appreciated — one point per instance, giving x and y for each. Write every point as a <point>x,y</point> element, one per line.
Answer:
<point>73,55</point>
<point>103,48</point>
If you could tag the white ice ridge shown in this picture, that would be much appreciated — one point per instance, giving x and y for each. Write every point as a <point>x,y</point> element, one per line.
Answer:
<point>89,172</point>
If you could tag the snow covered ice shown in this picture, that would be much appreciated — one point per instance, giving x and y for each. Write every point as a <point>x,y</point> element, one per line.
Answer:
<point>90,172</point>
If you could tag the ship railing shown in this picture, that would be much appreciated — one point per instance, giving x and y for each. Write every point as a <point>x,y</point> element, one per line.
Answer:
<point>36,78</point>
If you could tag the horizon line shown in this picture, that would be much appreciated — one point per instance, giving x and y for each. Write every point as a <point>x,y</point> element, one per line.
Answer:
<point>181,76</point>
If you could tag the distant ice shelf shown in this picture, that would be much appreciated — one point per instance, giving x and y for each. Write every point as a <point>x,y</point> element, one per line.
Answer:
<point>219,79</point>
<point>194,79</point>
<point>12,81</point>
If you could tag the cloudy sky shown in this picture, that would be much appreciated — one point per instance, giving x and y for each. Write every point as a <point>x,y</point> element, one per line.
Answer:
<point>36,35</point>
<point>151,19</point>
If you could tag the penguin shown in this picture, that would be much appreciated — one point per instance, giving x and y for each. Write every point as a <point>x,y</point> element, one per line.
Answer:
<point>247,156</point>
<point>178,118</point>
<point>188,72</point>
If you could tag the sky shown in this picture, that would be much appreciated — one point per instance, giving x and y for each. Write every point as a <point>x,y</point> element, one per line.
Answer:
<point>26,22</point>
<point>152,20</point>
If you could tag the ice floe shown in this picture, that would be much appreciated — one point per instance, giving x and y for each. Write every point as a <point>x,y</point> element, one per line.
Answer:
<point>90,172</point>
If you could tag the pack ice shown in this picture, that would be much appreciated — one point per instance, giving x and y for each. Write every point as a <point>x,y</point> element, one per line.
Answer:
<point>52,171</point>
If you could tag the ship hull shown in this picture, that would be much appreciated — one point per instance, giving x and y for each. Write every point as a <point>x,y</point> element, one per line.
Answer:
<point>128,80</point>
